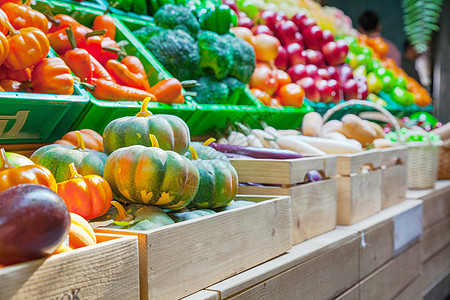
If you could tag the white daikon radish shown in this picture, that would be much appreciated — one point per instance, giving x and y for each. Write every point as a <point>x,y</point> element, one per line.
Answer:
<point>288,132</point>
<point>272,131</point>
<point>332,126</point>
<point>223,141</point>
<point>237,138</point>
<point>265,138</point>
<point>330,146</point>
<point>382,143</point>
<point>294,144</point>
<point>312,124</point>
<point>254,141</point>
<point>335,136</point>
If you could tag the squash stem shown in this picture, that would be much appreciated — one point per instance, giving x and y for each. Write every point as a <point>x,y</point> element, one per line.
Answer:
<point>144,111</point>
<point>123,215</point>
<point>12,30</point>
<point>209,141</point>
<point>71,37</point>
<point>194,154</point>
<point>73,171</point>
<point>27,3</point>
<point>4,164</point>
<point>95,33</point>
<point>154,140</point>
<point>80,141</point>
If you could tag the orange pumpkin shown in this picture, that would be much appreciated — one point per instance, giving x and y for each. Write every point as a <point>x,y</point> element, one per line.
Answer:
<point>4,48</point>
<point>88,196</point>
<point>3,19</point>
<point>81,233</point>
<point>31,174</point>
<point>27,47</point>
<point>12,86</point>
<point>52,76</point>
<point>22,16</point>
<point>19,75</point>
<point>92,140</point>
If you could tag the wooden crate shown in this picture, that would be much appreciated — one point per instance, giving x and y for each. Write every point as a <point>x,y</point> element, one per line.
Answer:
<point>359,186</point>
<point>393,175</point>
<point>435,267</point>
<point>180,259</point>
<point>435,238</point>
<point>314,205</point>
<point>23,149</point>
<point>108,270</point>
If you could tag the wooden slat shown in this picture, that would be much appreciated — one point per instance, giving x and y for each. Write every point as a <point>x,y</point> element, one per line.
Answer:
<point>203,295</point>
<point>200,252</point>
<point>435,238</point>
<point>421,194</point>
<point>348,164</point>
<point>323,277</point>
<point>107,270</point>
<point>412,292</point>
<point>23,149</point>
<point>351,294</point>
<point>393,185</point>
<point>358,197</point>
<point>387,154</point>
<point>440,289</point>
<point>299,254</point>
<point>394,276</point>
<point>436,207</point>
<point>435,267</point>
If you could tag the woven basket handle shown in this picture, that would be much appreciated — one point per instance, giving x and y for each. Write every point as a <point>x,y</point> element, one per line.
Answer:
<point>374,105</point>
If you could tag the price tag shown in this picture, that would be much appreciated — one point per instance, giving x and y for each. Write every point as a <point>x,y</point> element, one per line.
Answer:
<point>407,228</point>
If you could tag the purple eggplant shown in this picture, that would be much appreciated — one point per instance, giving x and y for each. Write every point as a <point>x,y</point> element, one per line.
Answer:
<point>256,152</point>
<point>34,221</point>
<point>313,176</point>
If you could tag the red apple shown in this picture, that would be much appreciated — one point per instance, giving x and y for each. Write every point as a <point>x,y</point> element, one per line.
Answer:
<point>282,60</point>
<point>334,85</point>
<point>363,91</point>
<point>297,72</point>
<point>299,19</point>
<point>268,18</point>
<point>345,73</point>
<point>280,16</point>
<point>296,54</point>
<point>245,22</point>
<point>343,48</point>
<point>242,14</point>
<point>285,32</point>
<point>313,37</point>
<point>350,89</point>
<point>312,71</point>
<point>323,74</point>
<point>327,37</point>
<point>299,39</point>
<point>314,57</point>
<point>333,73</point>
<point>311,91</point>
<point>335,53</point>
<point>305,23</point>
<point>325,91</point>
<point>262,29</point>
<point>232,4</point>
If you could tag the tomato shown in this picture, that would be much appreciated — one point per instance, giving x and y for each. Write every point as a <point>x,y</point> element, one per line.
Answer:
<point>291,94</point>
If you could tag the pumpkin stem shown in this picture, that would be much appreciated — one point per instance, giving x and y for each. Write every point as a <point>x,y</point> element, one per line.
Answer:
<point>4,164</point>
<point>194,154</point>
<point>209,141</point>
<point>71,37</point>
<point>144,111</point>
<point>122,213</point>
<point>80,141</point>
<point>27,3</point>
<point>154,140</point>
<point>73,171</point>
<point>12,30</point>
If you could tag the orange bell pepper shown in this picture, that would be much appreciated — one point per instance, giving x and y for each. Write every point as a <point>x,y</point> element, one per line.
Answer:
<point>32,174</point>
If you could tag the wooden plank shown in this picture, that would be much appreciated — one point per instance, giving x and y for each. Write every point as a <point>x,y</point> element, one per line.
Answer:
<point>436,207</point>
<point>421,194</point>
<point>23,149</point>
<point>393,185</point>
<point>348,164</point>
<point>434,267</point>
<point>203,295</point>
<point>412,292</point>
<point>271,171</point>
<point>200,252</point>
<point>394,276</point>
<point>314,206</point>
<point>330,168</point>
<point>435,238</point>
<point>299,254</point>
<point>359,196</point>
<point>399,154</point>
<point>350,294</point>
<point>338,268</point>
<point>107,270</point>
<point>440,289</point>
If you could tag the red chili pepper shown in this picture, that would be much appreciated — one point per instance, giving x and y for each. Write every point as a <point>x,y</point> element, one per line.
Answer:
<point>95,46</point>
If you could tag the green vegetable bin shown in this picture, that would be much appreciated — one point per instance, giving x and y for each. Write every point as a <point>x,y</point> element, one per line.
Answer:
<point>38,118</point>
<point>400,110</point>
<point>98,113</point>
<point>95,4</point>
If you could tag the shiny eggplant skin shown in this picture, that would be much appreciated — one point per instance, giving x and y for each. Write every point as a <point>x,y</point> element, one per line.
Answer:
<point>34,221</point>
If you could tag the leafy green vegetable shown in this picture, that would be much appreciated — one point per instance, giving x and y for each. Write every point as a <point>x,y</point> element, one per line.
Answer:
<point>211,91</point>
<point>215,53</point>
<point>244,59</point>
<point>177,17</point>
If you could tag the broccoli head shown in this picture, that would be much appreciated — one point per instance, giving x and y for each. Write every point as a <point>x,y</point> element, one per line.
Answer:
<point>235,87</point>
<point>244,58</point>
<point>143,34</point>
<point>177,52</point>
<point>216,54</point>
<point>211,91</point>
<point>177,17</point>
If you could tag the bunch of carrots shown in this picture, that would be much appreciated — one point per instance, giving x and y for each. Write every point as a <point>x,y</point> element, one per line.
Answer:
<point>93,56</point>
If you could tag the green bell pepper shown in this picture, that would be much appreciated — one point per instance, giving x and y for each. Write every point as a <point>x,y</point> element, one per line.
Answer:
<point>249,8</point>
<point>124,5</point>
<point>402,96</point>
<point>217,19</point>
<point>154,5</point>
<point>140,7</point>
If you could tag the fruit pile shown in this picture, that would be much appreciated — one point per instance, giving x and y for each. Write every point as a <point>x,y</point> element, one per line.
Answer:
<point>24,48</point>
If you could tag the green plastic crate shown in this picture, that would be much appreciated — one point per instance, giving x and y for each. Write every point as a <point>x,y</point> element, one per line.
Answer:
<point>95,4</point>
<point>400,110</point>
<point>38,118</point>
<point>119,12</point>
<point>99,113</point>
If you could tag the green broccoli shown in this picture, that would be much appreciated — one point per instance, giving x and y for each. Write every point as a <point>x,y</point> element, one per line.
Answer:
<point>236,88</point>
<point>216,54</point>
<point>211,91</point>
<point>177,17</point>
<point>244,58</point>
<point>177,52</point>
<point>143,34</point>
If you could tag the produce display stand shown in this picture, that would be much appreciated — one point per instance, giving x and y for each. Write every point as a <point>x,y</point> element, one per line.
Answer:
<point>435,241</point>
<point>361,261</point>
<point>95,4</point>
<point>179,259</point>
<point>393,175</point>
<point>313,204</point>
<point>107,270</point>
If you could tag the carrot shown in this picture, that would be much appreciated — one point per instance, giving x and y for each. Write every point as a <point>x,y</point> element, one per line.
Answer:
<point>99,71</point>
<point>167,90</point>
<point>78,59</point>
<point>105,22</point>
<point>135,65</point>
<point>124,76</point>
<point>107,90</point>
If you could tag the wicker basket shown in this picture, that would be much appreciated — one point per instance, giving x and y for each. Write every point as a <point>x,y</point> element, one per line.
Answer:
<point>444,161</point>
<point>423,158</point>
